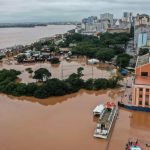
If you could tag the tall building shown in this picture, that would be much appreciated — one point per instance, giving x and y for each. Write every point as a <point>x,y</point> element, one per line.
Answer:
<point>127,17</point>
<point>89,24</point>
<point>142,19</point>
<point>141,85</point>
<point>141,30</point>
<point>107,17</point>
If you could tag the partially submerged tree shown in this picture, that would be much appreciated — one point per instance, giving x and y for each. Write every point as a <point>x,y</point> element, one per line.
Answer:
<point>21,58</point>
<point>41,74</point>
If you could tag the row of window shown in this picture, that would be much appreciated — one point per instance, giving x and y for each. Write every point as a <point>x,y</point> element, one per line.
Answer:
<point>141,89</point>
<point>146,103</point>
<point>146,96</point>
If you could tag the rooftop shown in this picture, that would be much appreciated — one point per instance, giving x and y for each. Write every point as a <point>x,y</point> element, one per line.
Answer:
<point>142,60</point>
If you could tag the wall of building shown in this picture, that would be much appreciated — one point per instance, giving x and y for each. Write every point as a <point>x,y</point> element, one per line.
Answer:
<point>144,68</point>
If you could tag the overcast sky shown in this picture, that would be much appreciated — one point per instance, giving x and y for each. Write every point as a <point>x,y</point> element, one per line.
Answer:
<point>66,10</point>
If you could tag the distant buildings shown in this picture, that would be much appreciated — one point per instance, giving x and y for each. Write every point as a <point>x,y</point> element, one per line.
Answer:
<point>127,17</point>
<point>107,23</point>
<point>89,24</point>
<point>141,85</point>
<point>107,17</point>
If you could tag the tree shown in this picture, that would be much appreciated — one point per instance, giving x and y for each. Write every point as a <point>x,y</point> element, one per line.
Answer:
<point>105,55</point>
<point>89,84</point>
<point>29,70</point>
<point>101,84</point>
<point>56,87</point>
<point>41,74</point>
<point>21,58</point>
<point>123,60</point>
<point>55,61</point>
<point>79,72</point>
<point>31,88</point>
<point>1,57</point>
<point>41,92</point>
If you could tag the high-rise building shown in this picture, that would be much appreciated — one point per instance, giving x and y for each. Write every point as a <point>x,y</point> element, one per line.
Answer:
<point>141,30</point>
<point>127,17</point>
<point>107,17</point>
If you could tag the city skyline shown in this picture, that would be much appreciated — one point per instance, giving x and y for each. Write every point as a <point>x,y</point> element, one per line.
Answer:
<point>15,11</point>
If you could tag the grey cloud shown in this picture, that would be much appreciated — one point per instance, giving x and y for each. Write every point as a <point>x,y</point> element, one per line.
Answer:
<point>65,10</point>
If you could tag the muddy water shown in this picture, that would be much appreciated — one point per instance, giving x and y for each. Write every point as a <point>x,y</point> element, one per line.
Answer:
<point>15,36</point>
<point>64,123</point>
<point>61,71</point>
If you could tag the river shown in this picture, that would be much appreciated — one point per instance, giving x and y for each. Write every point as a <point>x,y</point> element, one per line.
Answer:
<point>65,123</point>
<point>16,36</point>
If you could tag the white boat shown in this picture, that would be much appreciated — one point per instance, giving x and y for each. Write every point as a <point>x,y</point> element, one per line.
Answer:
<point>98,109</point>
<point>105,121</point>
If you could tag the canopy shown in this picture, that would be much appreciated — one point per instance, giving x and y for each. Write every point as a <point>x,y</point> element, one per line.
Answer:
<point>99,109</point>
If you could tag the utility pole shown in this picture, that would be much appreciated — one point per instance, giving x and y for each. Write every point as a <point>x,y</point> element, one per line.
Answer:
<point>62,71</point>
<point>92,69</point>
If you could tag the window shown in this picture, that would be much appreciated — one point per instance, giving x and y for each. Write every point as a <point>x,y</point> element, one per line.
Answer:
<point>147,96</point>
<point>146,103</point>
<point>147,90</point>
<point>145,74</point>
<point>140,89</point>
<point>140,96</point>
<point>140,102</point>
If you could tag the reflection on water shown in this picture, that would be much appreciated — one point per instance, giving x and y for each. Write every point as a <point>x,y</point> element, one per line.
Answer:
<point>65,123</point>
<point>111,94</point>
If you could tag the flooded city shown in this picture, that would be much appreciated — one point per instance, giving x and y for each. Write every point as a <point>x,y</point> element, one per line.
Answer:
<point>65,122</point>
<point>74,75</point>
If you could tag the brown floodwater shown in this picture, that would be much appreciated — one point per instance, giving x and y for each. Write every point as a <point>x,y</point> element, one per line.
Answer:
<point>60,71</point>
<point>16,36</point>
<point>65,122</point>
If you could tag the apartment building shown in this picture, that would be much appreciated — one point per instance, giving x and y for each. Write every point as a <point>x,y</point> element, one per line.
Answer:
<point>141,84</point>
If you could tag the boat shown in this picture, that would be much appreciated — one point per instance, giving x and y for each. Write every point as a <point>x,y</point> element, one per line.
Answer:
<point>133,144</point>
<point>98,110</point>
<point>105,121</point>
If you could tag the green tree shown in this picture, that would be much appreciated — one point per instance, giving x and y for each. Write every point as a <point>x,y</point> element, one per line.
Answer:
<point>123,60</point>
<point>89,84</point>
<point>55,61</point>
<point>21,58</point>
<point>31,88</point>
<point>29,70</point>
<point>101,84</point>
<point>79,72</point>
<point>41,74</point>
<point>105,55</point>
